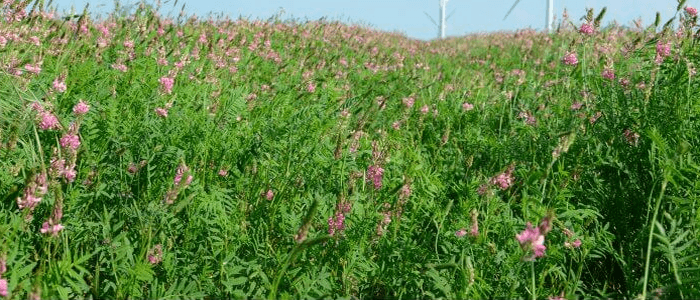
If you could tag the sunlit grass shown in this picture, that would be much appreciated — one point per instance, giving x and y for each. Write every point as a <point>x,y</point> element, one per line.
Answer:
<point>154,157</point>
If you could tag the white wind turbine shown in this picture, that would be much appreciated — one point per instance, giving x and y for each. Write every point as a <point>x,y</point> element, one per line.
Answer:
<point>549,18</point>
<point>443,18</point>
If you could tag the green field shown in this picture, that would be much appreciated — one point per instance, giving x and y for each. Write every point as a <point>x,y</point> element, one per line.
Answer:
<point>145,156</point>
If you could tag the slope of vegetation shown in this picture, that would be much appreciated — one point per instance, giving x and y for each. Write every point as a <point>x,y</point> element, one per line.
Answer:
<point>154,157</point>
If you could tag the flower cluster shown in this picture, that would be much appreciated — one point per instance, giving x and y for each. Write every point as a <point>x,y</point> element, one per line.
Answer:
<point>163,111</point>
<point>46,119</point>
<point>586,29</point>
<point>59,84</point>
<point>474,230</point>
<point>663,50</point>
<point>336,223</point>
<point>33,192</point>
<point>53,224</point>
<point>505,179</point>
<point>3,281</point>
<point>631,137</point>
<point>167,84</point>
<point>269,195</point>
<point>374,174</point>
<point>608,73</point>
<point>178,184</point>
<point>570,59</point>
<point>532,239</point>
<point>155,254</point>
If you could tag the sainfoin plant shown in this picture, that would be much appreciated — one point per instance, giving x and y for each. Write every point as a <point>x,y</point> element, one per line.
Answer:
<point>151,156</point>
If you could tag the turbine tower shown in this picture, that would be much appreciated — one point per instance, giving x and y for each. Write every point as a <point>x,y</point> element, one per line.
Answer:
<point>548,19</point>
<point>443,18</point>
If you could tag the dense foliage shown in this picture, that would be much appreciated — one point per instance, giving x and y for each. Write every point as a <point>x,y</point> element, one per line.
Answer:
<point>153,157</point>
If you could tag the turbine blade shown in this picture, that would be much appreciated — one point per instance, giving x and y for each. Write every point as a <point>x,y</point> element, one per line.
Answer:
<point>511,9</point>
<point>431,18</point>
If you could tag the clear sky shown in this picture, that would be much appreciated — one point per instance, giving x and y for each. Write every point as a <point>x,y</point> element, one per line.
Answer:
<point>409,16</point>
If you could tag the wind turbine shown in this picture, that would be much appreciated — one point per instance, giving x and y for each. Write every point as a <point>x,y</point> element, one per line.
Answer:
<point>443,18</point>
<point>550,12</point>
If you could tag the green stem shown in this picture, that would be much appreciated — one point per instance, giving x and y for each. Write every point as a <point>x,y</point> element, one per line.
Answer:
<point>651,237</point>
<point>532,269</point>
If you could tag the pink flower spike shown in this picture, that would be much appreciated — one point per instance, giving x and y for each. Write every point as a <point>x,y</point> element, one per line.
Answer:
<point>48,121</point>
<point>570,59</point>
<point>608,74</point>
<point>269,195</point>
<point>167,84</point>
<point>586,29</point>
<point>161,112</point>
<point>467,106</point>
<point>70,141</point>
<point>576,243</point>
<point>691,11</point>
<point>59,85</point>
<point>81,108</point>
<point>3,287</point>
<point>460,233</point>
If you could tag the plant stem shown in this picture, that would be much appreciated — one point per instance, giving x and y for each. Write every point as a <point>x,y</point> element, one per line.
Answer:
<point>651,237</point>
<point>532,269</point>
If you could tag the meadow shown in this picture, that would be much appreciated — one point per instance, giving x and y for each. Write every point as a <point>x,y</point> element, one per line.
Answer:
<point>148,156</point>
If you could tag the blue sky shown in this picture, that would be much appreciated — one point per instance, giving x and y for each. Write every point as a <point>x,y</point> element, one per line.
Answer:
<point>409,16</point>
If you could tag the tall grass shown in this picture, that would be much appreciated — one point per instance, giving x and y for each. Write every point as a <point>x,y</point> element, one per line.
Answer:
<point>156,157</point>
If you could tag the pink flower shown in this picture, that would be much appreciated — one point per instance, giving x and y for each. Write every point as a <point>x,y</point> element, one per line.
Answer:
<point>269,195</point>
<point>396,125</point>
<point>161,112</point>
<point>572,245</point>
<point>474,231</point>
<point>48,121</point>
<point>608,74</point>
<point>167,84</point>
<point>70,141</point>
<point>529,118</point>
<point>576,105</point>
<point>36,69</point>
<point>69,173</point>
<point>461,233</point>
<point>336,223</point>
<point>81,108</point>
<point>3,287</point>
<point>595,117</point>
<point>132,168</point>
<point>466,106</point>
<point>59,85</point>
<point>691,11</point>
<point>576,243</point>
<point>181,170</point>
<point>425,109</point>
<point>30,201</point>
<point>155,254</point>
<point>47,228</point>
<point>482,190</point>
<point>560,297</point>
<point>663,50</point>
<point>311,87</point>
<point>120,67</point>
<point>570,59</point>
<point>375,173</point>
<point>586,29</point>
<point>409,101</point>
<point>223,172</point>
<point>631,137</point>
<point>503,180</point>
<point>531,239</point>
